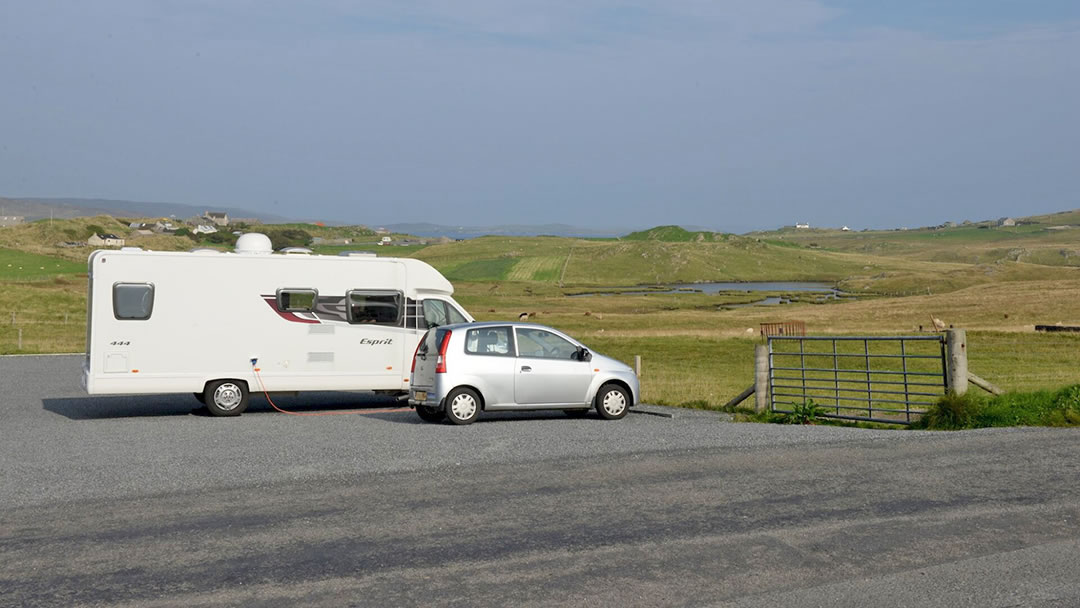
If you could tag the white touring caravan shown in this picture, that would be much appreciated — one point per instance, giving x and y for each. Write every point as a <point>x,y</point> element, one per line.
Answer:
<point>214,323</point>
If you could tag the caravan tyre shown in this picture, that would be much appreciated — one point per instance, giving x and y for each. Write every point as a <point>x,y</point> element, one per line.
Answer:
<point>226,397</point>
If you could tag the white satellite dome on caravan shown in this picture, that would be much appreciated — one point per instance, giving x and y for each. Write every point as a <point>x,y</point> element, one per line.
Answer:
<point>214,323</point>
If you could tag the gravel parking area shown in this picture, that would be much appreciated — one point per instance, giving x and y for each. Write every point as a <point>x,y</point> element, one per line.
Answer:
<point>60,444</point>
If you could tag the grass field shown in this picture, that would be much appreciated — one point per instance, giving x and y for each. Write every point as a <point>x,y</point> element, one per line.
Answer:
<point>21,266</point>
<point>695,348</point>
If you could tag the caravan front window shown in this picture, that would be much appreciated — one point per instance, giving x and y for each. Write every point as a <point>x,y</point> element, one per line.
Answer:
<point>296,300</point>
<point>378,307</point>
<point>439,312</point>
<point>133,301</point>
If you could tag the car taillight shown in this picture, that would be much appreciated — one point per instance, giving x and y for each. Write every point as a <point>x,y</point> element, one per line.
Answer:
<point>413,369</point>
<point>440,364</point>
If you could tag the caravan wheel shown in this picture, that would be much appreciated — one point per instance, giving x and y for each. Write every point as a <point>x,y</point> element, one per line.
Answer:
<point>226,397</point>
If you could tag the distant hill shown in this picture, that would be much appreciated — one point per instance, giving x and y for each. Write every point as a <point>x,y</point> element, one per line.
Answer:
<point>39,208</point>
<point>468,232</point>
<point>675,234</point>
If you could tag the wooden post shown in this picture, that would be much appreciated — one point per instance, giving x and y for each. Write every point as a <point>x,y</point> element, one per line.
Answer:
<point>956,349</point>
<point>761,378</point>
<point>743,396</point>
<point>20,338</point>
<point>637,365</point>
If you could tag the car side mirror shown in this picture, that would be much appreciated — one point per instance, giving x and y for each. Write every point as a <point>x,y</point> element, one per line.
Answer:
<point>583,354</point>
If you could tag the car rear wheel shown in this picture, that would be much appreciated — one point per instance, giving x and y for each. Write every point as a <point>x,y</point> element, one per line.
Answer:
<point>430,414</point>
<point>612,402</point>
<point>226,397</point>
<point>462,406</point>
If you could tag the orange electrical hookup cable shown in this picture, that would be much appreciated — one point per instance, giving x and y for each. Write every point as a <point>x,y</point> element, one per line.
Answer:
<point>274,405</point>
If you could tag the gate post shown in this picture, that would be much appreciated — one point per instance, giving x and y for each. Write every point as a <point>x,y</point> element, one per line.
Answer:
<point>761,378</point>
<point>956,347</point>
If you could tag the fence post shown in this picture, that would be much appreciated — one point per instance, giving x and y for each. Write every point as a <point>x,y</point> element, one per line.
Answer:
<point>956,347</point>
<point>637,365</point>
<point>20,338</point>
<point>761,377</point>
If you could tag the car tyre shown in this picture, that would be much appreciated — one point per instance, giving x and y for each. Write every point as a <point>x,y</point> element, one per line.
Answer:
<point>430,414</point>
<point>462,406</point>
<point>226,397</point>
<point>612,402</point>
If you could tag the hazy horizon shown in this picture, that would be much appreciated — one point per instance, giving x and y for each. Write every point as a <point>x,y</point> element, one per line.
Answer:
<point>749,114</point>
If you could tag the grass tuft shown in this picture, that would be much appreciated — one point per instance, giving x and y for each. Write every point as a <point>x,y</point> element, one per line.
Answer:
<point>1038,408</point>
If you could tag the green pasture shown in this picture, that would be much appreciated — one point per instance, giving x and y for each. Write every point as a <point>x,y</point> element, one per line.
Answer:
<point>21,266</point>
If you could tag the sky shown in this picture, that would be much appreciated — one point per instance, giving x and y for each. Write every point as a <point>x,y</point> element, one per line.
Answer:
<point>728,114</point>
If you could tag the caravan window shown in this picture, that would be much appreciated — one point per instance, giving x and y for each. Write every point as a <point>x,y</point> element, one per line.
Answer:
<point>133,301</point>
<point>378,307</point>
<point>439,312</point>
<point>296,300</point>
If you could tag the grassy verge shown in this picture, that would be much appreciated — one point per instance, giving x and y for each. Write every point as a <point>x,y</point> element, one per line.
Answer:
<point>1036,408</point>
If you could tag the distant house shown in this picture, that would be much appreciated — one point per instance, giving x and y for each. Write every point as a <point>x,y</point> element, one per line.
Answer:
<point>105,240</point>
<point>382,231</point>
<point>845,229</point>
<point>1006,221</point>
<point>163,226</point>
<point>11,220</point>
<point>802,225</point>
<point>204,229</point>
<point>949,225</point>
<point>218,218</point>
<point>139,226</point>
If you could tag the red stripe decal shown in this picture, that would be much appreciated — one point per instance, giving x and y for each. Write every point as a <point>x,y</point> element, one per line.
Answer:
<point>288,316</point>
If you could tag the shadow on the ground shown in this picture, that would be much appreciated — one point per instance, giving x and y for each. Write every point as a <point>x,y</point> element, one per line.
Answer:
<point>149,406</point>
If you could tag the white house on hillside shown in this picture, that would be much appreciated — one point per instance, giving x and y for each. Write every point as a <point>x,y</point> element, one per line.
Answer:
<point>105,240</point>
<point>218,218</point>
<point>802,225</point>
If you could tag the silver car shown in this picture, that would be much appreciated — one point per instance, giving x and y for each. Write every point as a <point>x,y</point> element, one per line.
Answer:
<point>460,370</point>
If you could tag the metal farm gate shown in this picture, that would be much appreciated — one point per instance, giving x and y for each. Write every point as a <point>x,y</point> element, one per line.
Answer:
<point>877,379</point>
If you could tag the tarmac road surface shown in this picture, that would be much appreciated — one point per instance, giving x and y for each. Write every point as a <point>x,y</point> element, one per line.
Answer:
<point>136,501</point>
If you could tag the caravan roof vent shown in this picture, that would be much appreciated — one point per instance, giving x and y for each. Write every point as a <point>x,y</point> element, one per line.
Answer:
<point>131,249</point>
<point>253,243</point>
<point>296,251</point>
<point>203,250</point>
<point>357,254</point>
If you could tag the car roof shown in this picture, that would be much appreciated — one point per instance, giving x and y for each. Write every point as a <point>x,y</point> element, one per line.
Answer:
<point>481,324</point>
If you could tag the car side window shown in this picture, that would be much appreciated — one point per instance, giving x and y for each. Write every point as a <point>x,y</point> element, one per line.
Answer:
<point>489,341</point>
<point>541,344</point>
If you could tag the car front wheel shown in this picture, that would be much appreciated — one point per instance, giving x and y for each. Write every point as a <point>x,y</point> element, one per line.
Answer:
<point>612,402</point>
<point>462,406</point>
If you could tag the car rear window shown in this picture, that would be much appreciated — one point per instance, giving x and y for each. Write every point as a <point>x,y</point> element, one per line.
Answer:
<point>431,341</point>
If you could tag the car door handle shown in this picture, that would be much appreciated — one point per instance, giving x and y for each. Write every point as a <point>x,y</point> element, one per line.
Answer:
<point>526,368</point>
